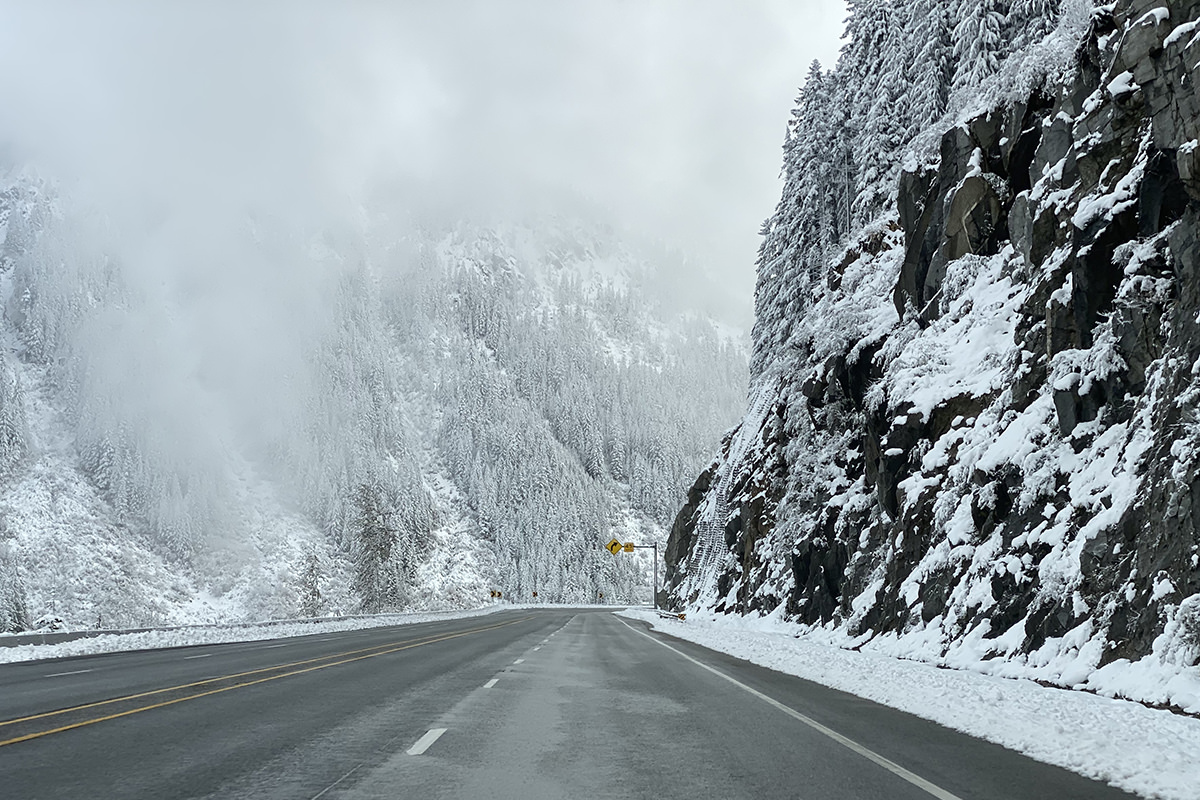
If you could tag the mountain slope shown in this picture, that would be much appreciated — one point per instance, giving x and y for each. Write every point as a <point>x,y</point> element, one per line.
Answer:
<point>971,436</point>
<point>371,416</point>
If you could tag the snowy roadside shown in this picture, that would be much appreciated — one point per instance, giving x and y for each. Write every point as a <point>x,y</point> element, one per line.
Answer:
<point>248,632</point>
<point>1142,750</point>
<point>222,634</point>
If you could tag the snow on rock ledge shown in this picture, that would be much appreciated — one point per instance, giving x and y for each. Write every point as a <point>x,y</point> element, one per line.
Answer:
<point>981,445</point>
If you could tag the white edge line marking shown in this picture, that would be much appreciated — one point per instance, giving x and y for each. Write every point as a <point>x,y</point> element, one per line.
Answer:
<point>61,674</point>
<point>871,755</point>
<point>490,683</point>
<point>519,661</point>
<point>426,741</point>
<point>203,655</point>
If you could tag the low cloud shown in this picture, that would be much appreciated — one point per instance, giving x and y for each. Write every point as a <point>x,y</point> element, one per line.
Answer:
<point>180,119</point>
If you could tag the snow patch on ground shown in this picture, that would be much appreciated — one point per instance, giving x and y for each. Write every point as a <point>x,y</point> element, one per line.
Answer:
<point>1142,750</point>
<point>223,634</point>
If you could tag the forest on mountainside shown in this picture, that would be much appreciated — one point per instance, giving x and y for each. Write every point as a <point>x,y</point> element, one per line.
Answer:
<point>907,68</point>
<point>375,419</point>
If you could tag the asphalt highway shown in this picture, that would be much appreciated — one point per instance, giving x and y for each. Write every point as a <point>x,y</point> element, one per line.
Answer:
<point>546,704</point>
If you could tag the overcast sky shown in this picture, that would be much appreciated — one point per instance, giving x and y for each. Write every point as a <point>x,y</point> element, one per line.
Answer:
<point>670,113</point>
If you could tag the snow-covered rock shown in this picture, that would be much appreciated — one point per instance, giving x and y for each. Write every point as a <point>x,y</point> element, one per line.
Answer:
<point>978,443</point>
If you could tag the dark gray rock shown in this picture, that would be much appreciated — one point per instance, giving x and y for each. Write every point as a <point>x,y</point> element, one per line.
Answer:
<point>1101,207</point>
<point>977,220</point>
<point>1095,276</point>
<point>1022,138</point>
<point>1054,146</point>
<point>1163,197</point>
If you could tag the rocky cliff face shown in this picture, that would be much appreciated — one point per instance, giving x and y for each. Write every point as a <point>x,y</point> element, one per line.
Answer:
<point>985,444</point>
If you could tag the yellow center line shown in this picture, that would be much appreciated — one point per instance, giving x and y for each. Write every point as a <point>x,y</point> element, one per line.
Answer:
<point>406,644</point>
<point>217,679</point>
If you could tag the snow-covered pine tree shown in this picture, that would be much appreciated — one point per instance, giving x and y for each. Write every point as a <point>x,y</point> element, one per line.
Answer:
<point>14,611</point>
<point>836,169</point>
<point>790,256</point>
<point>13,432</point>
<point>311,600</point>
<point>414,517</point>
<point>930,63</point>
<point>979,43</point>
<point>862,68</point>
<point>1030,21</point>
<point>883,130</point>
<point>374,537</point>
<point>97,459</point>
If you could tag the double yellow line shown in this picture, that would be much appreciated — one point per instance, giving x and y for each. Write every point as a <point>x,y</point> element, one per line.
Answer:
<point>308,665</point>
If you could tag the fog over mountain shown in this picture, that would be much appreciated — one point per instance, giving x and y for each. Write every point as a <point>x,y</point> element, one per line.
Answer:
<point>313,308</point>
<point>664,115</point>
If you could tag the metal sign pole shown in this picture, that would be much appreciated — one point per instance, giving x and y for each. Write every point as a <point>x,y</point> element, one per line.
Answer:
<point>616,546</point>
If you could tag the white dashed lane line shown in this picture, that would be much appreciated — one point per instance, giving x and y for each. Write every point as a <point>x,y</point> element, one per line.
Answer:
<point>519,661</point>
<point>202,655</point>
<point>61,674</point>
<point>490,683</point>
<point>426,741</point>
<point>273,646</point>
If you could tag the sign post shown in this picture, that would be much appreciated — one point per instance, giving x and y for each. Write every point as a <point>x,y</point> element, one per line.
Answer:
<point>616,547</point>
<point>654,588</point>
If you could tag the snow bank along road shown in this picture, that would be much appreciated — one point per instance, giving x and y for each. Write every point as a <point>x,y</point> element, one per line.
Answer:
<point>528,704</point>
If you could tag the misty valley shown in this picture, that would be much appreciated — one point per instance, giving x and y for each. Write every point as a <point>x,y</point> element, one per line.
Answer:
<point>436,416</point>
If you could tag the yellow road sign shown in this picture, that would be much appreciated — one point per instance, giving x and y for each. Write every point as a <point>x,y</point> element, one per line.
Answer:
<point>629,547</point>
<point>613,547</point>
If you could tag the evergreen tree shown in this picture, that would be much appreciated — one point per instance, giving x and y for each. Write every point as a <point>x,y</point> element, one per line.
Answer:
<point>14,611</point>
<point>311,601</point>
<point>790,254</point>
<point>13,433</point>
<point>375,536</point>
<point>1030,21</point>
<point>873,76</point>
<point>885,126</point>
<point>869,27</point>
<point>931,63</point>
<point>978,43</point>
